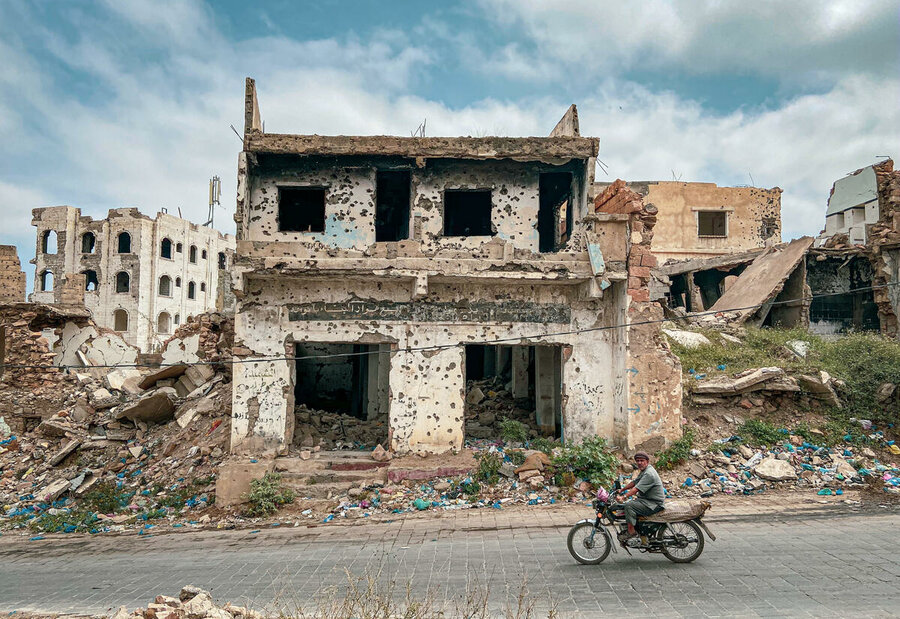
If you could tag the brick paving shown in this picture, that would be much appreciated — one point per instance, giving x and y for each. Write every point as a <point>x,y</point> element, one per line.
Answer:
<point>818,561</point>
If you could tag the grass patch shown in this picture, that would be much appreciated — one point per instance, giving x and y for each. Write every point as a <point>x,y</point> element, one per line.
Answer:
<point>106,498</point>
<point>267,495</point>
<point>677,452</point>
<point>513,431</point>
<point>760,432</point>
<point>545,444</point>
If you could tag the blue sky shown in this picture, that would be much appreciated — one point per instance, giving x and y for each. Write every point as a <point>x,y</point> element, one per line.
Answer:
<point>123,103</point>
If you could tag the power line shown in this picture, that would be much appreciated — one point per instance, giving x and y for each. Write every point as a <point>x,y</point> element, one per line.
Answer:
<point>441,346</point>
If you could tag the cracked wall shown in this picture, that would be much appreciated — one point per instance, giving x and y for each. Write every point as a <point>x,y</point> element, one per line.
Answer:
<point>12,277</point>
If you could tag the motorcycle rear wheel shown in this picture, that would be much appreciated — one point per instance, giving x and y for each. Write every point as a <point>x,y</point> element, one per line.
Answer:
<point>690,534</point>
<point>587,550</point>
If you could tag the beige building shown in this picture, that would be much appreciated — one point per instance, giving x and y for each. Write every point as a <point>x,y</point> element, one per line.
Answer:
<point>142,277</point>
<point>698,220</point>
<point>374,275</point>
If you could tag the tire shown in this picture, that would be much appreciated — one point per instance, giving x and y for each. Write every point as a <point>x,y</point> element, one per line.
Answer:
<point>579,536</point>
<point>693,549</point>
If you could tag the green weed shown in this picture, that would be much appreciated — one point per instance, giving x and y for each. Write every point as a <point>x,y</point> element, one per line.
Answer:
<point>677,452</point>
<point>590,460</point>
<point>267,495</point>
<point>488,469</point>
<point>513,431</point>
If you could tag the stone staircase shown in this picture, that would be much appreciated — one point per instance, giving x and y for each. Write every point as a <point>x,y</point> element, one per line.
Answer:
<point>329,473</point>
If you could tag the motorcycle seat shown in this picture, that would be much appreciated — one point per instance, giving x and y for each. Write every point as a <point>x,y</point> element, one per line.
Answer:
<point>678,511</point>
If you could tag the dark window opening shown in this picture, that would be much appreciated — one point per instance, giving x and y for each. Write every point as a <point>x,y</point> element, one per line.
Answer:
<point>192,290</point>
<point>203,254</point>
<point>392,193</point>
<point>87,243</point>
<point>123,282</point>
<point>555,211</point>
<point>334,377</point>
<point>90,280</point>
<point>301,209</point>
<point>46,281</point>
<point>178,282</point>
<point>192,254</point>
<point>467,212</point>
<point>165,248</point>
<point>120,320</point>
<point>524,382</point>
<point>124,243</point>
<point>222,261</point>
<point>834,308</point>
<point>177,319</point>
<point>768,227</point>
<point>165,286</point>
<point>164,323</point>
<point>179,248</point>
<point>48,242</point>
<point>712,223</point>
<point>202,286</point>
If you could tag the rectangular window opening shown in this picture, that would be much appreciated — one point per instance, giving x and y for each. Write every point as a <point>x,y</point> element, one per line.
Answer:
<point>712,223</point>
<point>301,209</point>
<point>555,211</point>
<point>392,193</point>
<point>467,212</point>
<point>521,383</point>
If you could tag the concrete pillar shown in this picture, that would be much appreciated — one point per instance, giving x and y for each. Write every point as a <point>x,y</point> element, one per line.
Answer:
<point>378,380</point>
<point>547,387</point>
<point>519,371</point>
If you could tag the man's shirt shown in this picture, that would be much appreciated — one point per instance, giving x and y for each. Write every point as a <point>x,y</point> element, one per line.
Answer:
<point>650,486</point>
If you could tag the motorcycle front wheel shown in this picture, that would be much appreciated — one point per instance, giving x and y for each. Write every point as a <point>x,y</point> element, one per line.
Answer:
<point>587,545</point>
<point>682,541</point>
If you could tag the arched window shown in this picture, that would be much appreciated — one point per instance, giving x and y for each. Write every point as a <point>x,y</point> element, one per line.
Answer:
<point>48,242</point>
<point>179,248</point>
<point>192,290</point>
<point>203,254</point>
<point>222,262</point>
<point>178,282</point>
<point>177,319</point>
<point>124,243</point>
<point>47,281</point>
<point>123,282</point>
<point>164,323</point>
<point>165,248</point>
<point>202,286</point>
<point>165,286</point>
<point>87,242</point>
<point>192,254</point>
<point>120,320</point>
<point>90,280</point>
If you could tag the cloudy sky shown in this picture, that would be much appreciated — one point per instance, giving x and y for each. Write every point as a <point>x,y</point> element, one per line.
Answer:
<point>117,103</point>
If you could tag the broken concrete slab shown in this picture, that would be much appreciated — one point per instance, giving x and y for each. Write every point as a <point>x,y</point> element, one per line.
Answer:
<point>156,407</point>
<point>54,427</point>
<point>191,410</point>
<point>171,371</point>
<point>819,386</point>
<point>762,280</point>
<point>68,448</point>
<point>117,379</point>
<point>199,374</point>
<point>745,381</point>
<point>102,399</point>
<point>773,469</point>
<point>51,492</point>
<point>688,339</point>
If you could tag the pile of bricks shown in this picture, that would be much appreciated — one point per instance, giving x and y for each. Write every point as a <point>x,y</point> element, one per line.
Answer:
<point>618,198</point>
<point>216,331</point>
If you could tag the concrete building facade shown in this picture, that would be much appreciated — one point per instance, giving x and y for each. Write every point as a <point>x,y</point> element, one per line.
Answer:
<point>702,220</point>
<point>371,271</point>
<point>852,207</point>
<point>12,277</point>
<point>139,276</point>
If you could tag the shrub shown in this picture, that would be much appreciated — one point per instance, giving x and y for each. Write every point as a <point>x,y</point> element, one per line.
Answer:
<point>677,452</point>
<point>106,498</point>
<point>488,469</point>
<point>590,460</point>
<point>513,431</point>
<point>517,458</point>
<point>760,432</point>
<point>267,495</point>
<point>545,444</point>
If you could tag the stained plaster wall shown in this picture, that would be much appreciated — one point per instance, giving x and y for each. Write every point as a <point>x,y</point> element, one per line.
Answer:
<point>749,211</point>
<point>427,388</point>
<point>350,199</point>
<point>144,265</point>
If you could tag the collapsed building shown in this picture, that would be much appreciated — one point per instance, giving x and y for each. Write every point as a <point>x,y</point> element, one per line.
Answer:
<point>378,277</point>
<point>703,220</point>
<point>139,276</point>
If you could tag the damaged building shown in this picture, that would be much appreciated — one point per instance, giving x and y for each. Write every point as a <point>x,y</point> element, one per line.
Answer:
<point>703,220</point>
<point>381,277</point>
<point>137,275</point>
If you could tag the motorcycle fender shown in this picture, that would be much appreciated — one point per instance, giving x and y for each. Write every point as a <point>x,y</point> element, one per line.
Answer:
<point>709,533</point>
<point>603,530</point>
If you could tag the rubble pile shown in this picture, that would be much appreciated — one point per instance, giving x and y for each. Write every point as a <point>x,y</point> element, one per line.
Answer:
<point>328,430</point>
<point>760,388</point>
<point>209,337</point>
<point>192,603</point>
<point>488,403</point>
<point>735,467</point>
<point>127,447</point>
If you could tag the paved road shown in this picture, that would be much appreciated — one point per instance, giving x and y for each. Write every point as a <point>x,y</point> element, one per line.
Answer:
<point>825,564</point>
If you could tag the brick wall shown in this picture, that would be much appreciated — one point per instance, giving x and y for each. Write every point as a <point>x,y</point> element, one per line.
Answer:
<point>12,277</point>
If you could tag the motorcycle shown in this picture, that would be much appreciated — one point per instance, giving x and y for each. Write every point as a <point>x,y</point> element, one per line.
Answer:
<point>676,531</point>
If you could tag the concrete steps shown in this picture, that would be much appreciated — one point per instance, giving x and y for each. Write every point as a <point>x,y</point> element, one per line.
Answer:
<point>330,472</point>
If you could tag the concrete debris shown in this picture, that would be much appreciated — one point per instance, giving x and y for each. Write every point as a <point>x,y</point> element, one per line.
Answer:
<point>156,407</point>
<point>192,603</point>
<point>773,469</point>
<point>820,386</point>
<point>798,347</point>
<point>688,339</point>
<point>102,398</point>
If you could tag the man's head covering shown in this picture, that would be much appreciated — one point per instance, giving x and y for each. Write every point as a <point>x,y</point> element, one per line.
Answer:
<point>642,454</point>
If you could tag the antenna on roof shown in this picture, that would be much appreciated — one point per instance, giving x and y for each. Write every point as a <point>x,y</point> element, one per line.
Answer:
<point>420,130</point>
<point>752,182</point>
<point>215,194</point>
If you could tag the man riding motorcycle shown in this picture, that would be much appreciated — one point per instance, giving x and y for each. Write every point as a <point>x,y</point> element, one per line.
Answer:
<point>648,491</point>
